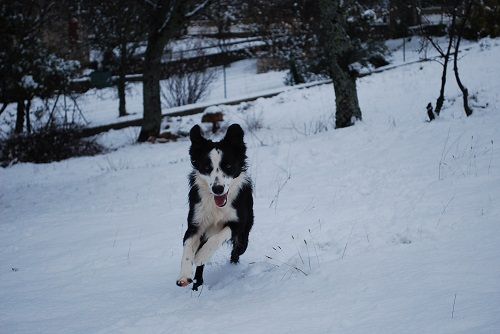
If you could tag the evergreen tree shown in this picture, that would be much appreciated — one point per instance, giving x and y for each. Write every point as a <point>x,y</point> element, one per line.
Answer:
<point>27,68</point>
<point>325,38</point>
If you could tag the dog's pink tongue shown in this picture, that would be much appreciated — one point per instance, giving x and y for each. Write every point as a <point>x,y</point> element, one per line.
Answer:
<point>220,201</point>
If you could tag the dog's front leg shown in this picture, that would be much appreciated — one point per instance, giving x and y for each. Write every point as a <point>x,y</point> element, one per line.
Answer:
<point>213,243</point>
<point>198,278</point>
<point>188,256</point>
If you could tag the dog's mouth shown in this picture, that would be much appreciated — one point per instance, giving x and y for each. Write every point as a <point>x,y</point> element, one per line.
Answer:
<point>220,200</point>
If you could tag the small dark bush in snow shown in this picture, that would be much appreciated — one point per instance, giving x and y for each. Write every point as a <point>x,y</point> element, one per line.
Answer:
<point>47,145</point>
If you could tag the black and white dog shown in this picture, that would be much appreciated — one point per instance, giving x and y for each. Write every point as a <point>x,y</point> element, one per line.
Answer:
<point>220,201</point>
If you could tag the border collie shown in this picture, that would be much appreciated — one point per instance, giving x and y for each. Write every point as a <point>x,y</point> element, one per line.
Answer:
<point>220,202</point>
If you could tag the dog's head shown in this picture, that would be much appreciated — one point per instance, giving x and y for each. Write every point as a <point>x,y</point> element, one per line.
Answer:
<point>218,163</point>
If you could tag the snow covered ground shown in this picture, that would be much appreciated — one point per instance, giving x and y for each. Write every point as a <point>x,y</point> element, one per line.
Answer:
<point>100,106</point>
<point>390,226</point>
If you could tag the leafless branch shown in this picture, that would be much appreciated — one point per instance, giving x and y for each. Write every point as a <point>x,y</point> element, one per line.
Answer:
<point>439,62</point>
<point>149,2</point>
<point>197,9</point>
<point>4,106</point>
<point>435,45</point>
<point>168,17</point>
<point>187,88</point>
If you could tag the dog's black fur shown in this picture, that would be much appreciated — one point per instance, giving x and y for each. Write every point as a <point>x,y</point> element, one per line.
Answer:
<point>203,218</point>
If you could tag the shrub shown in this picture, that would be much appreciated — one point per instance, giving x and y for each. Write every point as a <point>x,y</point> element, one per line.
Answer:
<point>47,145</point>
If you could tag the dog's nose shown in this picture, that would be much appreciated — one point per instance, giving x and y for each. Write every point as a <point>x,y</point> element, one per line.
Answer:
<point>218,190</point>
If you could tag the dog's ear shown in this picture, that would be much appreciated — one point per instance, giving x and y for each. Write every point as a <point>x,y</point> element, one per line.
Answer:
<point>196,136</point>
<point>234,135</point>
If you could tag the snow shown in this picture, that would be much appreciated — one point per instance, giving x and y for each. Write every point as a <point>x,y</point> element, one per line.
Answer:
<point>192,46</point>
<point>394,222</point>
<point>28,82</point>
<point>430,19</point>
<point>101,106</point>
<point>405,50</point>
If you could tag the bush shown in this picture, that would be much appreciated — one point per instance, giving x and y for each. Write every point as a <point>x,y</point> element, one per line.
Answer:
<point>484,20</point>
<point>187,87</point>
<point>190,81</point>
<point>47,145</point>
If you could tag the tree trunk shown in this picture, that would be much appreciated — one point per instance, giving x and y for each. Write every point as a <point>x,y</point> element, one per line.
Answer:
<point>446,58</point>
<point>28,120</point>
<point>20,117</point>
<point>294,73</point>
<point>166,19</point>
<point>346,99</point>
<point>440,99</point>
<point>465,91</point>
<point>4,106</point>
<point>122,110</point>
<point>338,46</point>
<point>151,89</point>
<point>121,85</point>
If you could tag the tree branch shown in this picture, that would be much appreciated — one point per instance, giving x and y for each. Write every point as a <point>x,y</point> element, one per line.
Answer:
<point>435,45</point>
<point>197,9</point>
<point>41,19</point>
<point>152,4</point>
<point>4,106</point>
<point>168,17</point>
<point>465,92</point>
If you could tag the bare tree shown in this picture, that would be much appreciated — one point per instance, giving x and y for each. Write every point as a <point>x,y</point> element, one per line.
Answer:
<point>460,32</point>
<point>445,57</point>
<point>187,87</point>
<point>459,13</point>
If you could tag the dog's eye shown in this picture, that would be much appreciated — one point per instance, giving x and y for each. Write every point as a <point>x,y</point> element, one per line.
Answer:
<point>228,166</point>
<point>207,168</point>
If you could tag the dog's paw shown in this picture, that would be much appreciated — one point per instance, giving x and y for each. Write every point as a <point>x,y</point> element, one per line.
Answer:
<point>197,283</point>
<point>184,281</point>
<point>235,259</point>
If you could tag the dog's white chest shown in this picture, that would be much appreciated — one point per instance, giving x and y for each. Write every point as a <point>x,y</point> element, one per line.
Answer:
<point>207,215</point>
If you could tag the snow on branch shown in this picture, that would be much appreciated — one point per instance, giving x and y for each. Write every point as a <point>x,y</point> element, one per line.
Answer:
<point>152,4</point>
<point>168,17</point>
<point>197,9</point>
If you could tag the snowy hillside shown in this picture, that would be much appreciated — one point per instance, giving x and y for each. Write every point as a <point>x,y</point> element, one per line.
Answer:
<point>390,226</point>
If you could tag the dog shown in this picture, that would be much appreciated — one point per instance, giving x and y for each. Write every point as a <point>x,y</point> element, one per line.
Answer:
<point>220,202</point>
